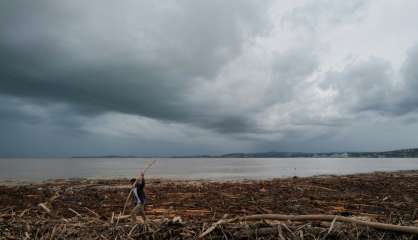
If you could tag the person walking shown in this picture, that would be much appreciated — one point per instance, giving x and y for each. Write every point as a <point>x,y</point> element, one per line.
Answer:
<point>138,198</point>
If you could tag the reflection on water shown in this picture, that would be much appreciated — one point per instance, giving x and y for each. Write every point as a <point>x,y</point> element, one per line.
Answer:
<point>195,168</point>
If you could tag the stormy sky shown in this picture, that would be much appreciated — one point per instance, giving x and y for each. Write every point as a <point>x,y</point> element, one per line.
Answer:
<point>207,77</point>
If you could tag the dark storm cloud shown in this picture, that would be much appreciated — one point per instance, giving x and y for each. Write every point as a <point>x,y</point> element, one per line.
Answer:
<point>371,85</point>
<point>289,70</point>
<point>362,86</point>
<point>199,76</point>
<point>32,112</point>
<point>408,98</point>
<point>89,55</point>
<point>230,124</point>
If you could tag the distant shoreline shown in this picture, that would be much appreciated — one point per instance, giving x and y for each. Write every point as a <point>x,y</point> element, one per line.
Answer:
<point>400,153</point>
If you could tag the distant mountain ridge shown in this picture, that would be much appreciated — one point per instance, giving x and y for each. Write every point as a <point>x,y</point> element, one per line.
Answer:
<point>401,153</point>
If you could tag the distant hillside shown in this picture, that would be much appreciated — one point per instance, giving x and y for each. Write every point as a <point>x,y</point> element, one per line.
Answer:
<point>403,153</point>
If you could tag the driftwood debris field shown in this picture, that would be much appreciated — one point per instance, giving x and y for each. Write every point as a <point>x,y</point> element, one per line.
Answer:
<point>362,206</point>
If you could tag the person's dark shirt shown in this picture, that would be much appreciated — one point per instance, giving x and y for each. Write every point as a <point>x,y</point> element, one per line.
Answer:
<point>140,191</point>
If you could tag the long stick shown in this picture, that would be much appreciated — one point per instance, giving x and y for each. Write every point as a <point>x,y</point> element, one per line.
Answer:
<point>148,166</point>
<point>377,225</point>
<point>130,192</point>
<point>210,229</point>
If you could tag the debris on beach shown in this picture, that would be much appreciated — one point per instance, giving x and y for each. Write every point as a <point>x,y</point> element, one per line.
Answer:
<point>362,206</point>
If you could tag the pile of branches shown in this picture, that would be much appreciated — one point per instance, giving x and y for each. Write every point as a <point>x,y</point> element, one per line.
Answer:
<point>91,210</point>
<point>43,223</point>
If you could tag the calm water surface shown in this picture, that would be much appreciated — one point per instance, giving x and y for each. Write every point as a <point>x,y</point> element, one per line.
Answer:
<point>195,168</point>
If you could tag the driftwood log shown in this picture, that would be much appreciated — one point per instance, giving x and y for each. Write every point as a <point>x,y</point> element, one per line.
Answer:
<point>376,225</point>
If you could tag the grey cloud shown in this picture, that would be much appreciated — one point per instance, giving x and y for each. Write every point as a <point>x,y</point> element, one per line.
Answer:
<point>286,80</point>
<point>362,86</point>
<point>409,87</point>
<point>46,129</point>
<point>85,54</point>
<point>10,112</point>
<point>217,69</point>
<point>289,70</point>
<point>323,13</point>
<point>230,124</point>
<point>31,112</point>
<point>372,85</point>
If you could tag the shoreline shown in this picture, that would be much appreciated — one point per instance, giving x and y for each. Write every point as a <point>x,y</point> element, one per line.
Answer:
<point>13,182</point>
